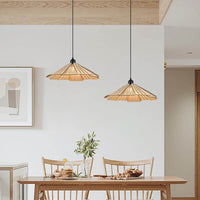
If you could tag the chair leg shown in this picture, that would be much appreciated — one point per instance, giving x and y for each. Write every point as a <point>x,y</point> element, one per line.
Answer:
<point>162,195</point>
<point>86,195</point>
<point>108,194</point>
<point>42,195</point>
<point>150,195</point>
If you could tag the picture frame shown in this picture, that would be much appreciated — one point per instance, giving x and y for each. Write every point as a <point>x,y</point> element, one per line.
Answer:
<point>16,96</point>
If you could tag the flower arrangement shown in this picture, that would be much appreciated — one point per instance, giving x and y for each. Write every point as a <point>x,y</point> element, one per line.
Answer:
<point>87,146</point>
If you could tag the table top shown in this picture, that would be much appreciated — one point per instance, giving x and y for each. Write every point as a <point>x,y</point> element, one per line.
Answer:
<point>7,166</point>
<point>85,181</point>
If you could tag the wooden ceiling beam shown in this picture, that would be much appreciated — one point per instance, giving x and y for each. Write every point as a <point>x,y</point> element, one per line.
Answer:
<point>91,12</point>
<point>164,6</point>
<point>86,12</point>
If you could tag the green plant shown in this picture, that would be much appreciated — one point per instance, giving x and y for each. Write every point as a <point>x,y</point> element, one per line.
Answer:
<point>87,145</point>
<point>76,174</point>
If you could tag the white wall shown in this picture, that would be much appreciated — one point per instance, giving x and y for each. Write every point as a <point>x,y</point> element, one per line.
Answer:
<point>180,128</point>
<point>65,111</point>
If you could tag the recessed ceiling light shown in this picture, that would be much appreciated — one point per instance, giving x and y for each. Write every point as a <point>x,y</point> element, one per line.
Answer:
<point>189,52</point>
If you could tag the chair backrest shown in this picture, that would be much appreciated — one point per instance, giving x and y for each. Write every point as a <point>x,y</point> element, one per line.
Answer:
<point>49,166</point>
<point>112,167</point>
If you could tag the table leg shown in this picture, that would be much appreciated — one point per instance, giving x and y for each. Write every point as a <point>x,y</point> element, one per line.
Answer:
<point>21,190</point>
<point>168,191</point>
<point>36,196</point>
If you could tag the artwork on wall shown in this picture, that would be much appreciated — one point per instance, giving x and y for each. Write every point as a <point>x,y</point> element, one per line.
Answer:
<point>16,96</point>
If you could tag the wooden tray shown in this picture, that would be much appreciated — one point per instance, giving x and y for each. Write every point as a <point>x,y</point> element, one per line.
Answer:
<point>100,176</point>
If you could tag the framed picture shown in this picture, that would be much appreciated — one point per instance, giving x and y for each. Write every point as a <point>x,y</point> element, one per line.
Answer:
<point>16,96</point>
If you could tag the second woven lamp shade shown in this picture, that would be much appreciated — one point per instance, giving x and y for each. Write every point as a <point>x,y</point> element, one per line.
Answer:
<point>73,72</point>
<point>131,93</point>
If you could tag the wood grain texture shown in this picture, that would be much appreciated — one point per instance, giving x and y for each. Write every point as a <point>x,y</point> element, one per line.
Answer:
<point>91,12</point>
<point>197,133</point>
<point>168,192</point>
<point>14,167</point>
<point>93,181</point>
<point>147,183</point>
<point>197,81</point>
<point>128,164</point>
<point>60,164</point>
<point>164,6</point>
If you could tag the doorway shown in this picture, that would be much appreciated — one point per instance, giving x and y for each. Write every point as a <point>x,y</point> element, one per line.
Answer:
<point>180,129</point>
<point>197,134</point>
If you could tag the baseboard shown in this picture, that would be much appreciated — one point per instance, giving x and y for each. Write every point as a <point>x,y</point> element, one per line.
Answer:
<point>183,198</point>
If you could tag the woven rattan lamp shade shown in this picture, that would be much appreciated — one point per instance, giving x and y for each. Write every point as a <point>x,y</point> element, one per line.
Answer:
<point>73,72</point>
<point>131,93</point>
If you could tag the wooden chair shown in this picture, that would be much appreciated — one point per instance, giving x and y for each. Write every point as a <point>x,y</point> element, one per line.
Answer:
<point>113,167</point>
<point>49,166</point>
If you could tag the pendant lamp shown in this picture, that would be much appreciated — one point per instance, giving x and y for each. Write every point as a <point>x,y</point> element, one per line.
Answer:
<point>131,92</point>
<point>73,71</point>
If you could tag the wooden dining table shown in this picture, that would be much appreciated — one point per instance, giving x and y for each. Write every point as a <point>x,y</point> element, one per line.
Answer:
<point>162,184</point>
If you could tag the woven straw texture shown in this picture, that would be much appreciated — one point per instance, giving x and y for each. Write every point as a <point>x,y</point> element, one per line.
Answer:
<point>131,93</point>
<point>73,72</point>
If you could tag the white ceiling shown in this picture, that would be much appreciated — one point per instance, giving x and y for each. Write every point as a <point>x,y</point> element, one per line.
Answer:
<point>182,33</point>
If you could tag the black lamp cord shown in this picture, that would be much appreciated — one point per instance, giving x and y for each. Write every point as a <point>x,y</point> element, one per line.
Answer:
<point>130,80</point>
<point>73,60</point>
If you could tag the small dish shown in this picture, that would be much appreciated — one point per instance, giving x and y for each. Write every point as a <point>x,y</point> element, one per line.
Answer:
<point>57,174</point>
